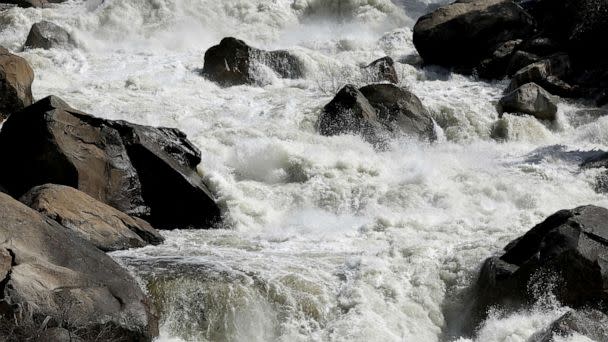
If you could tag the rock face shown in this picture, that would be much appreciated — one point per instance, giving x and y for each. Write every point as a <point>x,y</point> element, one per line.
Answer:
<point>16,77</point>
<point>55,273</point>
<point>530,99</point>
<point>463,33</point>
<point>233,62</point>
<point>565,254</point>
<point>590,323</point>
<point>142,171</point>
<point>105,227</point>
<point>47,35</point>
<point>375,110</point>
<point>382,69</point>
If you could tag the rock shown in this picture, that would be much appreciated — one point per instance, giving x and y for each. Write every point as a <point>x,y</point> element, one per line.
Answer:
<point>47,35</point>
<point>496,65</point>
<point>520,60</point>
<point>16,77</point>
<point>565,254</point>
<point>382,69</point>
<point>105,227</point>
<point>530,99</point>
<point>6,262</point>
<point>592,324</point>
<point>233,62</point>
<point>399,109</point>
<point>463,33</point>
<point>540,46</point>
<point>56,273</point>
<point>374,111</point>
<point>549,73</point>
<point>142,171</point>
<point>32,3</point>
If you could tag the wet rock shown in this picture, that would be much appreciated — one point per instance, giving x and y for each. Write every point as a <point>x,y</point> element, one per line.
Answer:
<point>465,32</point>
<point>382,69</point>
<point>496,65</point>
<point>47,35</point>
<point>105,227</point>
<point>233,62</point>
<point>16,77</point>
<point>549,73</point>
<point>56,273</point>
<point>592,324</point>
<point>374,111</point>
<point>565,254</point>
<point>6,262</point>
<point>142,171</point>
<point>530,99</point>
<point>520,60</point>
<point>541,46</point>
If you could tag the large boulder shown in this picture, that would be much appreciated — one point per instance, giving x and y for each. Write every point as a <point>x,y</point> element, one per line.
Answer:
<point>16,77</point>
<point>374,111</point>
<point>463,33</point>
<point>57,274</point>
<point>382,70</point>
<point>232,62</point>
<point>47,35</point>
<point>566,254</point>
<point>529,99</point>
<point>140,170</point>
<point>105,227</point>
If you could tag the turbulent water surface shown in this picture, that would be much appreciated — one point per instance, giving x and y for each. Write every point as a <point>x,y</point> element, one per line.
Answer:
<point>325,238</point>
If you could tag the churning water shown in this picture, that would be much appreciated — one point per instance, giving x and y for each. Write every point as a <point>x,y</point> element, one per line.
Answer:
<point>326,239</point>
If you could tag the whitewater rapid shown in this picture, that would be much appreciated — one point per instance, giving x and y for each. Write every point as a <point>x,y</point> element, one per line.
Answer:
<point>326,238</point>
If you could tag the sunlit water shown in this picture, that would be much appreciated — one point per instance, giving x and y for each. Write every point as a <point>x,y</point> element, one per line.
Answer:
<point>325,239</point>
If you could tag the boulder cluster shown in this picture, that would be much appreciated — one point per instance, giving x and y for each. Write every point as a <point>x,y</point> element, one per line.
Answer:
<point>72,187</point>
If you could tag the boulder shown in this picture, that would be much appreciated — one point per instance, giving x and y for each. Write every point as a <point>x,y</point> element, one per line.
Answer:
<point>6,262</point>
<point>47,35</point>
<point>105,227</point>
<point>56,273</point>
<point>16,77</point>
<point>381,70</point>
<point>142,171</point>
<point>549,73</point>
<point>592,324</point>
<point>374,111</point>
<point>463,33</point>
<point>529,99</point>
<point>232,62</point>
<point>520,60</point>
<point>565,254</point>
<point>496,65</point>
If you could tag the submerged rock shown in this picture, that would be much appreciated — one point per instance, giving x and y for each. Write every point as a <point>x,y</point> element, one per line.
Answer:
<point>529,99</point>
<point>55,273</point>
<point>47,35</point>
<point>565,254</point>
<point>375,110</point>
<point>105,227</point>
<point>592,324</point>
<point>465,32</point>
<point>143,171</point>
<point>16,77</point>
<point>233,62</point>
<point>382,69</point>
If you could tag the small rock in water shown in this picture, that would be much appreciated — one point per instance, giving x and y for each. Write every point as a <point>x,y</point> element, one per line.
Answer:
<point>382,69</point>
<point>530,99</point>
<point>47,35</point>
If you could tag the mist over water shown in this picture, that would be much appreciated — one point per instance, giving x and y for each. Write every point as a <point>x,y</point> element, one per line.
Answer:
<point>326,238</point>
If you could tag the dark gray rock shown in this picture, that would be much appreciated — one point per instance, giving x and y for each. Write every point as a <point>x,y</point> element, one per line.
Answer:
<point>565,254</point>
<point>463,33</point>
<point>382,69</point>
<point>496,65</point>
<point>142,171</point>
<point>233,62</point>
<point>16,77</point>
<point>105,227</point>
<point>56,273</point>
<point>530,99</point>
<point>520,60</point>
<point>590,323</point>
<point>47,35</point>
<point>549,73</point>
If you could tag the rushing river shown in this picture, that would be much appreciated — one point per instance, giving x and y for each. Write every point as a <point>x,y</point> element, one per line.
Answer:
<point>325,238</point>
